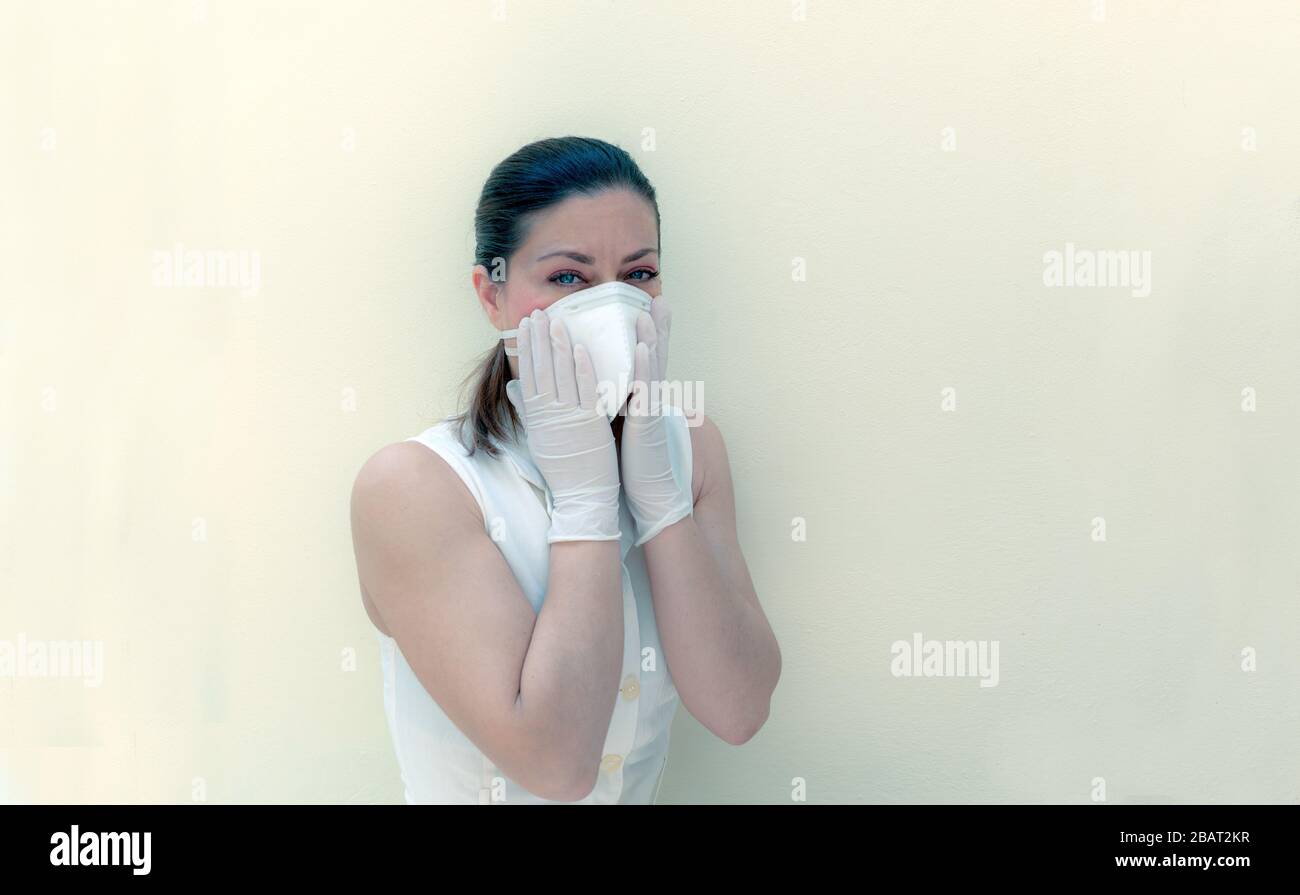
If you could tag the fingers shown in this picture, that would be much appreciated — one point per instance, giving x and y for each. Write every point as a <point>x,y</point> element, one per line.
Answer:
<point>566,387</point>
<point>585,374</point>
<point>525,345</point>
<point>661,311</point>
<point>646,334</point>
<point>663,319</point>
<point>543,368</point>
<point>638,401</point>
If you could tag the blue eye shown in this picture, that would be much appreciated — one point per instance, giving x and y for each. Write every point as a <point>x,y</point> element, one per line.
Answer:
<point>556,278</point>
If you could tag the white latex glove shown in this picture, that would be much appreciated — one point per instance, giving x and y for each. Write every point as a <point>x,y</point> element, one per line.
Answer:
<point>653,495</point>
<point>570,441</point>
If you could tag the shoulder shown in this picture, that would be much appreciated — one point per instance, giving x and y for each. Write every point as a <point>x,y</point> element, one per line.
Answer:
<point>395,466</point>
<point>409,511</point>
<point>708,453</point>
<point>409,480</point>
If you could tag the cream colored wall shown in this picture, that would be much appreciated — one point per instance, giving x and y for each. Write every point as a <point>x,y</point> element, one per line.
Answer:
<point>345,144</point>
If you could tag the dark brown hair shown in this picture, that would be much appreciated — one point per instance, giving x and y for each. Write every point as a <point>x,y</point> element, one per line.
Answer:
<point>530,180</point>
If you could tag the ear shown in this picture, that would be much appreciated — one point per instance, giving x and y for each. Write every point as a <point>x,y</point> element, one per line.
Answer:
<point>491,297</point>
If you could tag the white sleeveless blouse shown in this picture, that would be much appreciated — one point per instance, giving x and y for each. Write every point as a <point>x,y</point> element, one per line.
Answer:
<point>439,764</point>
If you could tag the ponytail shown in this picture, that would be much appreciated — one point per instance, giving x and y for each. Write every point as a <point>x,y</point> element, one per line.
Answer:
<point>483,421</point>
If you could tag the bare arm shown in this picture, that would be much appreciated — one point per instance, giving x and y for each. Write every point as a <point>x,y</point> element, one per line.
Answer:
<point>724,657</point>
<point>534,692</point>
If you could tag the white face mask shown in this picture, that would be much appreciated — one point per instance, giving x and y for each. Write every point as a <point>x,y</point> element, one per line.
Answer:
<point>603,320</point>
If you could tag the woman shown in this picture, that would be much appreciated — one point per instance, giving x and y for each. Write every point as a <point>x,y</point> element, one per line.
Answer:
<point>536,565</point>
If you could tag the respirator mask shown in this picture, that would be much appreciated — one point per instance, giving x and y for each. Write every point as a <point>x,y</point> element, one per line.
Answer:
<point>602,319</point>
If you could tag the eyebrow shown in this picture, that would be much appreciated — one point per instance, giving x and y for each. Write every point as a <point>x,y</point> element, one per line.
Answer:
<point>587,259</point>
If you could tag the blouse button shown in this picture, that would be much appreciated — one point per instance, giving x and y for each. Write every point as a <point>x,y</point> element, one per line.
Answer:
<point>611,763</point>
<point>631,688</point>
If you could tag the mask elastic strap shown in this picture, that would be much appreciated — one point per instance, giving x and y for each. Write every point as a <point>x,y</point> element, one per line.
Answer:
<point>510,334</point>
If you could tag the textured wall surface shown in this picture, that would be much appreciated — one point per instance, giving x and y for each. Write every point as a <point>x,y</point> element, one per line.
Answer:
<point>857,207</point>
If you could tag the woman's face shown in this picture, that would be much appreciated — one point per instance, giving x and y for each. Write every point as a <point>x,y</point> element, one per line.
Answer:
<point>574,245</point>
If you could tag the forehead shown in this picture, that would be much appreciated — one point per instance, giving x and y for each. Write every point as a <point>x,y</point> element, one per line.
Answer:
<point>602,226</point>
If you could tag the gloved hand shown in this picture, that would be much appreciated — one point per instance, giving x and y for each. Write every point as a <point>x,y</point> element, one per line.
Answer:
<point>570,441</point>
<point>653,495</point>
